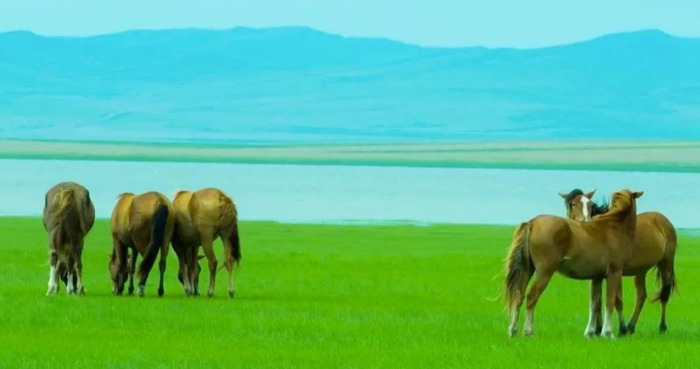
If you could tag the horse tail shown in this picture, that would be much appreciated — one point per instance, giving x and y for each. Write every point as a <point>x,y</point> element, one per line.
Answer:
<point>60,204</point>
<point>665,270</point>
<point>519,266</point>
<point>82,204</point>
<point>158,224</point>
<point>229,218</point>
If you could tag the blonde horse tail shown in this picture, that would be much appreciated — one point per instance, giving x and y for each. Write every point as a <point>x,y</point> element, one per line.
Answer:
<point>519,267</point>
<point>82,204</point>
<point>229,218</point>
<point>61,204</point>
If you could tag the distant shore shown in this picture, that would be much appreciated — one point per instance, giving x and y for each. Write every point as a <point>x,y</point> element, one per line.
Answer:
<point>645,156</point>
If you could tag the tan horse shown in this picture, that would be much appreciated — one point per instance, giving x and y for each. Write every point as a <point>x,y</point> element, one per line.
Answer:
<point>594,250</point>
<point>144,224</point>
<point>201,217</point>
<point>654,246</point>
<point>68,217</point>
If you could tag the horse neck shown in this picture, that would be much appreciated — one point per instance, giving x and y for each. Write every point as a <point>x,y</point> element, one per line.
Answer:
<point>627,217</point>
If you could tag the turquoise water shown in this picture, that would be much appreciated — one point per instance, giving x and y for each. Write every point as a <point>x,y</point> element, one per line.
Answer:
<point>307,193</point>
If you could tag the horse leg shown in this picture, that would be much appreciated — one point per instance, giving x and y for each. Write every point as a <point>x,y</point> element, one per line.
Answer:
<point>78,259</point>
<point>542,277</point>
<point>161,264</point>
<point>640,286</point>
<point>182,273</point>
<point>53,274</point>
<point>228,254</point>
<point>614,283</point>
<point>132,268</point>
<point>193,270</point>
<point>207,245</point>
<point>620,315</point>
<point>667,284</point>
<point>595,307</point>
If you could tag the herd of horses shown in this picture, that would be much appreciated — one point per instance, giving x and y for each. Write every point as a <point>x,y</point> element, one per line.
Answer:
<point>594,242</point>
<point>145,224</point>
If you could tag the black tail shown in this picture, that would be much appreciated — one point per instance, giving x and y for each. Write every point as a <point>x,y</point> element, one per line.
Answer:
<point>235,240</point>
<point>160,218</point>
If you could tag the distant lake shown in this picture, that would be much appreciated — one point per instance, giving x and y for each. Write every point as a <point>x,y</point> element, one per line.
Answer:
<point>309,193</point>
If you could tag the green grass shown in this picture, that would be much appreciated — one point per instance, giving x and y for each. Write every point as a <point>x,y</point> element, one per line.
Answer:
<point>318,296</point>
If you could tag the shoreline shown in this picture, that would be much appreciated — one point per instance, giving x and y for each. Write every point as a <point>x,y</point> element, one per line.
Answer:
<point>628,156</point>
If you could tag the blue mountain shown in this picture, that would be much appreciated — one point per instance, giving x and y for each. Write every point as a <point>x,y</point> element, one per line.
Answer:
<point>298,85</point>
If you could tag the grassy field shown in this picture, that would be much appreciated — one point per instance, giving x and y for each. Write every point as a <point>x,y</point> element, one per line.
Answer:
<point>318,296</point>
<point>663,156</point>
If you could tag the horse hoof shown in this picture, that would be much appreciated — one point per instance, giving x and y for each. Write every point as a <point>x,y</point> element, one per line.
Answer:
<point>529,333</point>
<point>512,333</point>
<point>161,292</point>
<point>230,294</point>
<point>623,330</point>
<point>590,334</point>
<point>608,335</point>
<point>630,329</point>
<point>52,291</point>
<point>140,292</point>
<point>663,328</point>
<point>210,294</point>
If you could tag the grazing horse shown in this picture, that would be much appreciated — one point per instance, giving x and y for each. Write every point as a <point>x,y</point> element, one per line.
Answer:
<point>200,217</point>
<point>144,224</point>
<point>654,246</point>
<point>68,217</point>
<point>594,250</point>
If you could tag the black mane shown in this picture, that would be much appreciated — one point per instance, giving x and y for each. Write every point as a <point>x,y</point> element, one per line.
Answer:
<point>596,209</point>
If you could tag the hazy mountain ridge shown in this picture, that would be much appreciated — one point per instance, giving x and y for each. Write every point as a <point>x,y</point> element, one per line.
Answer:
<point>301,85</point>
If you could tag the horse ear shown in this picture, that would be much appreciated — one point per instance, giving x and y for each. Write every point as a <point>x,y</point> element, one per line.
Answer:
<point>590,194</point>
<point>563,196</point>
<point>637,194</point>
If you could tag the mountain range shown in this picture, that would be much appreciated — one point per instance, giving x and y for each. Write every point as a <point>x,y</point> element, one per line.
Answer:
<point>299,85</point>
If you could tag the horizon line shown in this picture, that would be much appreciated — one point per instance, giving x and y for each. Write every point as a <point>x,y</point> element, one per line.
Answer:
<point>235,28</point>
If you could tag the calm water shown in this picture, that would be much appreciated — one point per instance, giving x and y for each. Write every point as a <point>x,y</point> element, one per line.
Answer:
<point>299,193</point>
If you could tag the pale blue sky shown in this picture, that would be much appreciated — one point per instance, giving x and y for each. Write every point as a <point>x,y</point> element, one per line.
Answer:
<point>515,23</point>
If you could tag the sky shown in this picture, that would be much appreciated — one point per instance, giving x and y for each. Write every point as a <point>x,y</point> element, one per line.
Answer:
<point>493,23</point>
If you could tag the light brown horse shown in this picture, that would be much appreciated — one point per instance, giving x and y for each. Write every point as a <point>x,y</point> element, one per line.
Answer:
<point>655,244</point>
<point>68,217</point>
<point>594,250</point>
<point>200,217</point>
<point>144,224</point>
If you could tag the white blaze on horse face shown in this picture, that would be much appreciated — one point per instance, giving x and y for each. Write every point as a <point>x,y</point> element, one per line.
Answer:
<point>584,204</point>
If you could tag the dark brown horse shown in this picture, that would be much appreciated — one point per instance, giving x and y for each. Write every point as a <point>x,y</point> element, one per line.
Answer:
<point>68,217</point>
<point>201,217</point>
<point>144,224</point>
<point>593,250</point>
<point>655,244</point>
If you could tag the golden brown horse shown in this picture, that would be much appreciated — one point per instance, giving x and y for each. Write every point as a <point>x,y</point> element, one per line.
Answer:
<point>201,217</point>
<point>68,217</point>
<point>594,250</point>
<point>654,246</point>
<point>144,224</point>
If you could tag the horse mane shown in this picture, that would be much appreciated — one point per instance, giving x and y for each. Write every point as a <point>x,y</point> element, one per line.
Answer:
<point>603,208</point>
<point>615,210</point>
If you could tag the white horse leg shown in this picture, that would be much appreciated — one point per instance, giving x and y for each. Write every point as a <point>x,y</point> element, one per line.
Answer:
<point>596,292</point>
